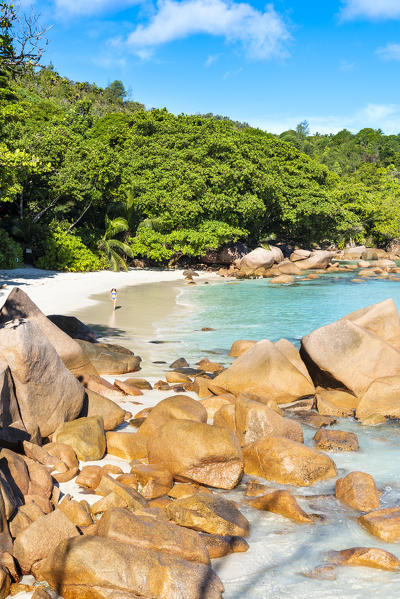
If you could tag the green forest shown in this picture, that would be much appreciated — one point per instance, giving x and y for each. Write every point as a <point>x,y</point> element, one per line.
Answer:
<point>90,179</point>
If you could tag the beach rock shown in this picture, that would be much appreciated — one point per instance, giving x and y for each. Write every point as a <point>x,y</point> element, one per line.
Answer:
<point>282,503</point>
<point>381,398</point>
<point>288,462</point>
<point>73,327</point>
<point>282,280</point>
<point>373,420</point>
<point>19,306</point>
<point>154,480</point>
<point>131,497</point>
<point>177,377</point>
<point>139,383</point>
<point>110,359</point>
<point>258,258</point>
<point>201,386</point>
<point>127,446</point>
<point>384,524</point>
<point>317,259</point>
<point>354,253</point>
<point>149,533</point>
<point>24,517</point>
<point>129,480</point>
<point>289,268</point>
<point>381,318</point>
<point>240,346</point>
<point>109,502</point>
<point>210,513</point>
<point>220,546</point>
<point>173,408</point>
<point>47,392</point>
<point>85,436</point>
<point>329,440</point>
<point>9,411</point>
<point>5,538</point>
<point>96,405</point>
<point>344,355</point>
<point>183,490</point>
<point>369,557</point>
<point>293,355</point>
<point>113,570</point>
<point>336,403</point>
<point>198,452</point>
<point>41,593</point>
<point>358,490</point>
<point>255,421</point>
<point>42,537</point>
<point>179,363</point>
<point>66,455</point>
<point>299,255</point>
<point>214,403</point>
<point>99,385</point>
<point>75,512</point>
<point>128,387</point>
<point>265,371</point>
<point>5,582</point>
<point>311,418</point>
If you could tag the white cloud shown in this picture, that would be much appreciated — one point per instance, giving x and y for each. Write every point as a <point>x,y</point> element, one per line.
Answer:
<point>376,116</point>
<point>91,7</point>
<point>370,9</point>
<point>389,52</point>
<point>262,34</point>
<point>211,59</point>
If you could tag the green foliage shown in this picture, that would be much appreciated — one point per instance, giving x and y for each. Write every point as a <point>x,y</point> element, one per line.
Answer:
<point>113,249</point>
<point>63,251</point>
<point>10,252</point>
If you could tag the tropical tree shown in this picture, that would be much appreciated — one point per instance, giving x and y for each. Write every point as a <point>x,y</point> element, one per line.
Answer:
<point>113,249</point>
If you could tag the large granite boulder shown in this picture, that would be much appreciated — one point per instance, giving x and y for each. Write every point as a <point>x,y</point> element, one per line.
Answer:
<point>19,306</point>
<point>198,452</point>
<point>9,411</point>
<point>318,259</point>
<point>176,407</point>
<point>382,397</point>
<point>149,533</point>
<point>288,462</point>
<point>110,359</point>
<point>97,405</point>
<point>47,392</point>
<point>258,258</point>
<point>297,255</point>
<point>85,436</point>
<point>240,346</point>
<point>255,421</point>
<point>348,356</point>
<point>73,327</point>
<point>96,567</point>
<point>354,253</point>
<point>210,513</point>
<point>382,319</point>
<point>268,373</point>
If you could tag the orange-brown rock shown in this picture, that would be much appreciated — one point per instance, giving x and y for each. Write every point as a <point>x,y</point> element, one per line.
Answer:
<point>312,418</point>
<point>344,354</point>
<point>66,455</point>
<point>382,397</point>
<point>162,386</point>
<point>214,403</point>
<point>265,371</point>
<point>108,410</point>
<point>358,490</point>
<point>293,355</point>
<point>26,514</point>
<point>102,387</point>
<point>85,436</point>
<point>112,469</point>
<point>5,582</point>
<point>209,366</point>
<point>75,512</point>
<point>40,593</point>
<point>42,537</point>
<point>282,280</point>
<point>254,421</point>
<point>201,386</point>
<point>154,480</point>
<point>131,497</point>
<point>254,489</point>
<point>177,377</point>
<point>373,420</point>
<point>334,440</point>
<point>198,452</point>
<point>225,417</point>
<point>128,387</point>
<point>127,446</point>
<point>112,569</point>
<point>239,347</point>
<point>89,477</point>
<point>209,512</point>
<point>149,533</point>
<point>384,524</point>
<point>108,502</point>
<point>129,480</point>
<point>336,403</point>
<point>284,461</point>
<point>220,546</point>
<point>382,319</point>
<point>369,557</point>
<point>283,503</point>
<point>182,490</point>
<point>109,358</point>
<point>173,408</point>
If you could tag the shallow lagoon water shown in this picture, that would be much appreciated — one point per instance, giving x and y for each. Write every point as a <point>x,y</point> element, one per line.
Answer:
<point>282,552</point>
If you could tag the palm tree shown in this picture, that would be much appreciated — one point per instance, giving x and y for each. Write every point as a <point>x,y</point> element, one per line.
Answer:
<point>113,249</point>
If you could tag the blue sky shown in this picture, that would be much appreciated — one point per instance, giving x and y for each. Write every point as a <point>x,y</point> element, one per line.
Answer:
<point>335,63</point>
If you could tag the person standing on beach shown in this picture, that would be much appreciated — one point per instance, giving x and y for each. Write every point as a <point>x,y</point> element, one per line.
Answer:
<point>114,297</point>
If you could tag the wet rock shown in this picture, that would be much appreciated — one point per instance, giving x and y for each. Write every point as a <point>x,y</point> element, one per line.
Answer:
<point>329,440</point>
<point>358,490</point>
<point>369,557</point>
<point>381,398</point>
<point>384,524</point>
<point>198,452</point>
<point>343,354</point>
<point>288,462</point>
<point>283,503</point>
<point>172,408</point>
<point>154,480</point>
<point>266,372</point>
<point>209,513</point>
<point>239,347</point>
<point>127,446</point>
<point>336,403</point>
<point>47,393</point>
<point>373,420</point>
<point>42,537</point>
<point>311,418</point>
<point>85,436</point>
<point>254,489</point>
<point>128,387</point>
<point>179,363</point>
<point>112,568</point>
<point>321,573</point>
<point>110,359</point>
<point>149,533</point>
<point>225,417</point>
<point>220,546</point>
<point>282,280</point>
<point>254,421</point>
